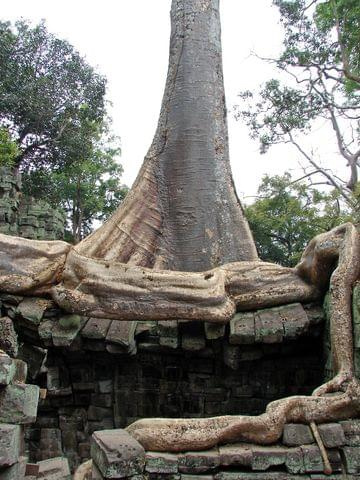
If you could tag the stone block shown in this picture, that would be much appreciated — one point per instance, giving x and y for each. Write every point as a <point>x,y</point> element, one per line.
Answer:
<point>312,459</point>
<point>242,329</point>
<point>45,332</point>
<point>54,469</point>
<point>351,429</point>
<point>7,369</point>
<point>167,328</point>
<point>34,358</point>
<point>20,371</point>
<point>117,454</point>
<point>169,342</point>
<point>32,309</point>
<point>95,472</point>
<point>229,475</point>
<point>64,334</point>
<point>332,435</point>
<point>237,454</point>
<point>294,461</point>
<point>266,457</point>
<point>296,434</point>
<point>295,320</point>
<point>214,331</point>
<point>8,337</point>
<point>159,462</point>
<point>268,326</point>
<point>199,462</point>
<point>10,444</point>
<point>231,355</point>
<point>15,472</point>
<point>352,459</point>
<point>122,333</point>
<point>18,403</point>
<point>96,328</point>
<point>105,386</point>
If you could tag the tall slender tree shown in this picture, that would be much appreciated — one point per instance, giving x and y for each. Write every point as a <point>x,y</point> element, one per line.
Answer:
<point>182,212</point>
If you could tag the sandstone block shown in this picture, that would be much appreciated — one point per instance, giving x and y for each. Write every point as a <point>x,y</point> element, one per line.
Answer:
<point>235,455</point>
<point>199,462</point>
<point>15,472</point>
<point>117,454</point>
<point>32,309</point>
<point>7,368</point>
<point>96,328</point>
<point>352,459</point>
<point>296,434</point>
<point>18,403</point>
<point>332,435</point>
<point>268,326</point>
<point>8,337</point>
<point>242,329</point>
<point>54,469</point>
<point>159,462</point>
<point>10,444</point>
<point>312,459</point>
<point>266,457</point>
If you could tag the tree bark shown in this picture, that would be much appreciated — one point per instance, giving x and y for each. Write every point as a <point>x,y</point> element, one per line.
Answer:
<point>182,212</point>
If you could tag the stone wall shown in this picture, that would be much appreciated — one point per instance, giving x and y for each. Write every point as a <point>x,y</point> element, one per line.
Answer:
<point>25,217</point>
<point>295,457</point>
<point>102,374</point>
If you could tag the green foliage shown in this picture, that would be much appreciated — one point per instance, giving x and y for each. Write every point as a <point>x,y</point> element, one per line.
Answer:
<point>320,64</point>
<point>87,190</point>
<point>287,215</point>
<point>8,149</point>
<point>47,93</point>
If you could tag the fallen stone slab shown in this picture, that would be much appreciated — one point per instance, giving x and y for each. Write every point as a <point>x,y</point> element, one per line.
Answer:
<point>54,469</point>
<point>18,403</point>
<point>10,444</point>
<point>117,454</point>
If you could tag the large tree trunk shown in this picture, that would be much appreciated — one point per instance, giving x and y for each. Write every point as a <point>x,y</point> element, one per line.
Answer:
<point>182,212</point>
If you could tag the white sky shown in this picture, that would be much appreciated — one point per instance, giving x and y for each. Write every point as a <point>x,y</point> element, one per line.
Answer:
<point>128,42</point>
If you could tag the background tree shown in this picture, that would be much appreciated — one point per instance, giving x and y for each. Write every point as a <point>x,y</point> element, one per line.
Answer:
<point>287,215</point>
<point>54,126</point>
<point>320,61</point>
<point>88,190</point>
<point>47,93</point>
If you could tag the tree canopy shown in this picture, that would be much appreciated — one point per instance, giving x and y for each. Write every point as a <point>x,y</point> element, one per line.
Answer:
<point>51,100</point>
<point>287,215</point>
<point>318,80</point>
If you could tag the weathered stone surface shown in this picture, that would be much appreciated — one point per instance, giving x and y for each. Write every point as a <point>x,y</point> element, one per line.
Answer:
<point>268,326</point>
<point>296,434</point>
<point>266,457</point>
<point>20,371</point>
<point>199,462</point>
<point>237,454</point>
<point>66,330</point>
<point>352,459</point>
<point>294,460</point>
<point>45,332</point>
<point>231,355</point>
<point>332,435</point>
<point>10,444</point>
<point>229,475</point>
<point>33,309</point>
<point>96,328</point>
<point>214,331</point>
<point>159,462</point>
<point>18,403</point>
<point>34,358</point>
<point>351,430</point>
<point>15,472</point>
<point>122,333</point>
<point>54,469</point>
<point>242,329</point>
<point>8,337</point>
<point>7,368</point>
<point>312,459</point>
<point>117,454</point>
<point>295,320</point>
